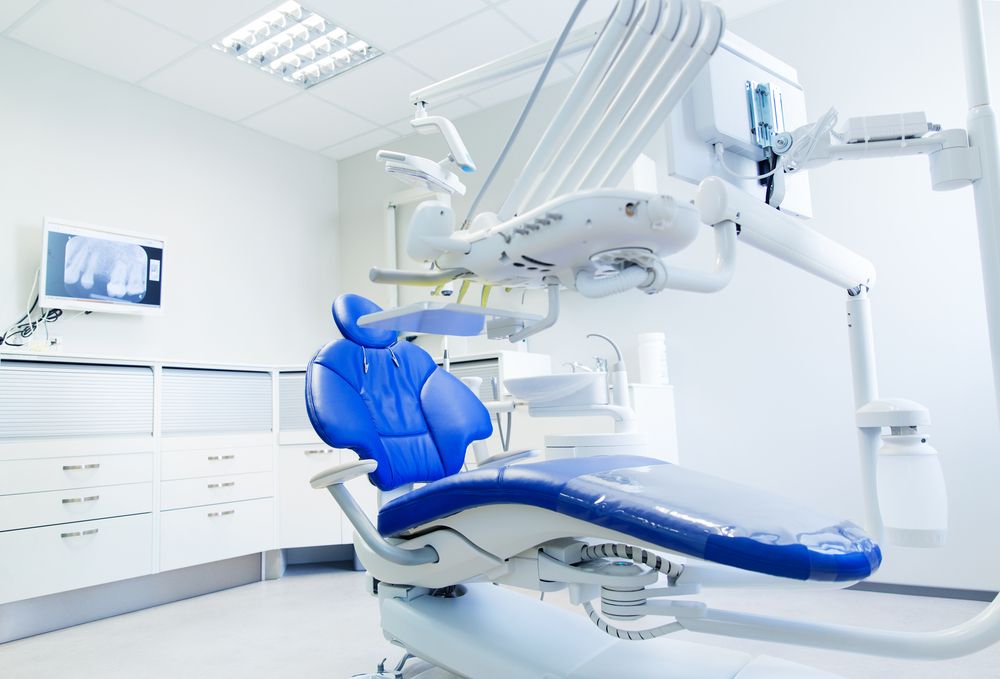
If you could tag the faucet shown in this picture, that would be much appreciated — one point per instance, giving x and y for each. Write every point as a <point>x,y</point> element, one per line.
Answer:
<point>576,365</point>
<point>618,376</point>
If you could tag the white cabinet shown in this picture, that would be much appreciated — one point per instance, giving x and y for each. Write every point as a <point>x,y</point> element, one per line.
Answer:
<point>215,489</point>
<point>79,504</point>
<point>211,533</point>
<point>217,451</point>
<point>112,471</point>
<point>307,517</point>
<point>226,457</point>
<point>61,473</point>
<point>39,561</point>
<point>76,476</point>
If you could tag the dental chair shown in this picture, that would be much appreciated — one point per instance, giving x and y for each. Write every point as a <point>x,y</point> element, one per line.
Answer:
<point>611,530</point>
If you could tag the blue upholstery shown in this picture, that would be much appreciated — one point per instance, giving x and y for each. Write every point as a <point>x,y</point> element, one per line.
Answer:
<point>390,402</point>
<point>672,507</point>
<point>347,309</point>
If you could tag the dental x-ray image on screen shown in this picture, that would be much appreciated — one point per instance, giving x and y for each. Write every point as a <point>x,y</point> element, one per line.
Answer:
<point>95,270</point>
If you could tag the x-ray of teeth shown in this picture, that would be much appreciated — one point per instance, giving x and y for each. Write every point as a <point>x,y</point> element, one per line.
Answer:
<point>98,268</point>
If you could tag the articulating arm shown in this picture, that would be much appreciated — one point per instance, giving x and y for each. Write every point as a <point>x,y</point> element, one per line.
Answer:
<point>333,480</point>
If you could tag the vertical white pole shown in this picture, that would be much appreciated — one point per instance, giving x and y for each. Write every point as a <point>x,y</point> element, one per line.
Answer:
<point>865,377</point>
<point>982,128</point>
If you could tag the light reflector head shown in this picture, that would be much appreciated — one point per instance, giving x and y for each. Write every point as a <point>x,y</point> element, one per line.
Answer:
<point>297,45</point>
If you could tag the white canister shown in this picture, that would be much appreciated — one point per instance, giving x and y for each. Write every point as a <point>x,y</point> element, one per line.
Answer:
<point>653,358</point>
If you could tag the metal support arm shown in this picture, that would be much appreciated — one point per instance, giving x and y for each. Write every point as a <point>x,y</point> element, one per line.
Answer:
<point>333,480</point>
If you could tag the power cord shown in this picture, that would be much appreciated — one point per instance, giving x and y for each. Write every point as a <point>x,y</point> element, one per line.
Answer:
<point>26,326</point>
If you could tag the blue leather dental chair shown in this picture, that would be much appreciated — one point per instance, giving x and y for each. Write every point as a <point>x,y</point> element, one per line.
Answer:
<point>604,528</point>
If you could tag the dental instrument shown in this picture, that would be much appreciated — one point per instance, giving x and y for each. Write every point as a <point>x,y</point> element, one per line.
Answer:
<point>626,535</point>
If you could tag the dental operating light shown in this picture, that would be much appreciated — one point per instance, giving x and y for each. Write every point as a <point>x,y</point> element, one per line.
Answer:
<point>297,45</point>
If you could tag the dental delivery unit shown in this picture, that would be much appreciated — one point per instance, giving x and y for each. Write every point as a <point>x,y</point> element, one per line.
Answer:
<point>632,539</point>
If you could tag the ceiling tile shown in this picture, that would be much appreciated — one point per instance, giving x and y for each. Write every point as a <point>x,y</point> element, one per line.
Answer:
<point>198,19</point>
<point>309,122</point>
<point>217,83</point>
<point>474,41</point>
<point>12,10</point>
<point>402,128</point>
<point>387,24</point>
<point>378,90</point>
<point>101,36</point>
<point>545,20</point>
<point>360,144</point>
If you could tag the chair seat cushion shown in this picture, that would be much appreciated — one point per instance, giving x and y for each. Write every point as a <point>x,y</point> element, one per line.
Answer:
<point>674,508</point>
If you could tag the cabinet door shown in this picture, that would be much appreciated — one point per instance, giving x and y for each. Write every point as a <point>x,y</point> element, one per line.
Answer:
<point>80,504</point>
<point>40,561</point>
<point>61,473</point>
<point>202,534</point>
<point>215,490</point>
<point>307,517</point>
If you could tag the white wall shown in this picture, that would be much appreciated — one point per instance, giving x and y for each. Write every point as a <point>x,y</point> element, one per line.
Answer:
<point>250,222</point>
<point>761,369</point>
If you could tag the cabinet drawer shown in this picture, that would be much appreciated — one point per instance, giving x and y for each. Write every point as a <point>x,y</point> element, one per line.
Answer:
<point>306,517</point>
<point>61,473</point>
<point>215,489</point>
<point>187,464</point>
<point>80,504</point>
<point>52,559</point>
<point>203,534</point>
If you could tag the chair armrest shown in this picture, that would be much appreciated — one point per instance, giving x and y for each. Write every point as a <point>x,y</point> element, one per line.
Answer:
<point>333,479</point>
<point>343,473</point>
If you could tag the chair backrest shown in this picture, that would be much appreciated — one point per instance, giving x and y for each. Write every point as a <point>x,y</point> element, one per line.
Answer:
<point>389,402</point>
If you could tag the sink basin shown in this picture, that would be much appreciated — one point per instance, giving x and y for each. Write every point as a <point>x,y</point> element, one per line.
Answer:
<point>568,389</point>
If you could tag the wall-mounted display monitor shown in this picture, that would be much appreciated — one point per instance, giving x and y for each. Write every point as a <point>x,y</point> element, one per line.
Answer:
<point>92,268</point>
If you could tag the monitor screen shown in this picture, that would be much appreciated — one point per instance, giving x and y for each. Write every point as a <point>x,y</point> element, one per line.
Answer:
<point>94,269</point>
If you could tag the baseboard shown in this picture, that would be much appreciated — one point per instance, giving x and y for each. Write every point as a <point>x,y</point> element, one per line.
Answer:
<point>20,619</point>
<point>322,554</point>
<point>920,590</point>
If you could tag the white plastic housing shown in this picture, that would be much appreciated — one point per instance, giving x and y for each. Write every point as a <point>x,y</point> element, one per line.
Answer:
<point>780,235</point>
<point>431,219</point>
<point>715,111</point>
<point>893,412</point>
<point>885,127</point>
<point>911,492</point>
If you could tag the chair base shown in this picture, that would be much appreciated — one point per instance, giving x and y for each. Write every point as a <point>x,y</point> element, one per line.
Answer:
<point>494,633</point>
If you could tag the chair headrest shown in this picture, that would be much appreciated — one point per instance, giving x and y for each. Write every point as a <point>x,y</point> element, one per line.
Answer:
<point>347,309</point>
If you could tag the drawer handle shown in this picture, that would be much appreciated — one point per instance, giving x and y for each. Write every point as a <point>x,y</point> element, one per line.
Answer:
<point>321,451</point>
<point>78,467</point>
<point>79,533</point>
<point>227,484</point>
<point>216,458</point>
<point>228,512</point>
<point>89,498</point>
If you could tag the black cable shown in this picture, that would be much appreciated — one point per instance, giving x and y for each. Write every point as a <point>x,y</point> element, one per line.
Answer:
<point>17,323</point>
<point>25,327</point>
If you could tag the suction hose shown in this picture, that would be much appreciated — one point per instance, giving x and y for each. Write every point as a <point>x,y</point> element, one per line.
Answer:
<point>589,285</point>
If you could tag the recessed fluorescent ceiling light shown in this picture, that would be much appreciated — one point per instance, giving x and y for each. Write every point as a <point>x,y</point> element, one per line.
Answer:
<point>297,45</point>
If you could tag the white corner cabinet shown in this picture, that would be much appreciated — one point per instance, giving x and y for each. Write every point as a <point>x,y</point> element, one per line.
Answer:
<point>116,469</point>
